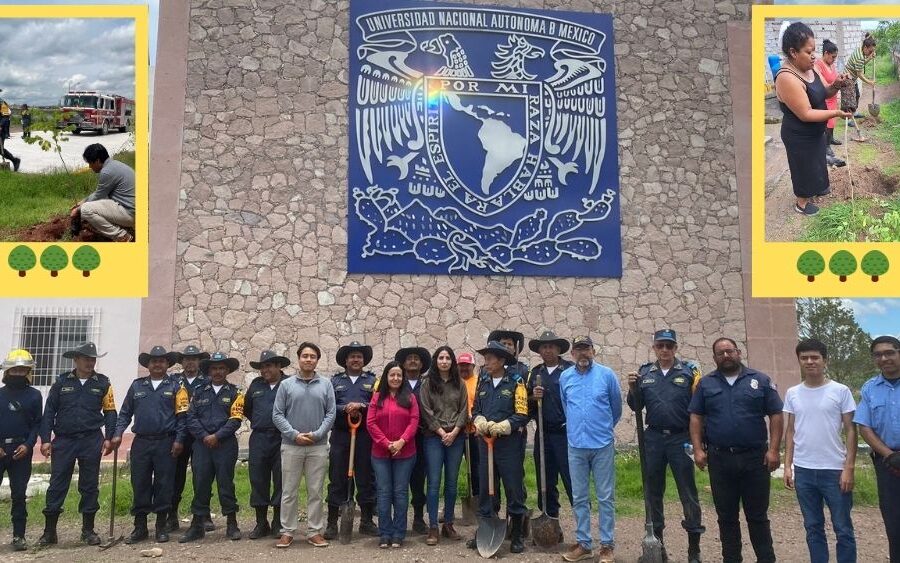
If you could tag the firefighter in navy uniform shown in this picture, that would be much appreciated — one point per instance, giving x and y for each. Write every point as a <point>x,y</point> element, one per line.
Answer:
<point>215,414</point>
<point>543,384</point>
<point>158,440</point>
<point>190,379</point>
<point>665,388</point>
<point>353,389</point>
<point>501,411</point>
<point>265,443</point>
<point>79,404</point>
<point>20,405</point>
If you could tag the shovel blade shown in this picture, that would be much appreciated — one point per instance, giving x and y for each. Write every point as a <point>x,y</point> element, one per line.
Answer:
<point>345,527</point>
<point>545,531</point>
<point>469,511</point>
<point>112,542</point>
<point>490,535</point>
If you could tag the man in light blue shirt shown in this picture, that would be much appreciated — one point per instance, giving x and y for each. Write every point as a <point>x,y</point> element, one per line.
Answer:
<point>878,417</point>
<point>592,401</point>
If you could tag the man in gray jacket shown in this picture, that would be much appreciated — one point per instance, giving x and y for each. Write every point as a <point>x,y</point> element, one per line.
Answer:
<point>110,209</point>
<point>304,412</point>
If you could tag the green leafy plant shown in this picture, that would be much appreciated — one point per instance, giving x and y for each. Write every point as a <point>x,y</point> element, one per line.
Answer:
<point>22,259</point>
<point>86,259</point>
<point>54,259</point>
<point>875,264</point>
<point>811,264</point>
<point>47,134</point>
<point>842,264</point>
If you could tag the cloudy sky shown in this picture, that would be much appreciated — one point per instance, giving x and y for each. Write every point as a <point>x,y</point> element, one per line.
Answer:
<point>877,316</point>
<point>40,58</point>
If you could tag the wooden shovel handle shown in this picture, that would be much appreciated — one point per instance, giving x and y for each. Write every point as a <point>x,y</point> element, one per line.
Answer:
<point>489,441</point>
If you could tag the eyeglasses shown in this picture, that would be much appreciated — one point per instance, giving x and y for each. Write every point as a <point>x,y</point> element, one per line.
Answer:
<point>884,354</point>
<point>664,345</point>
<point>729,352</point>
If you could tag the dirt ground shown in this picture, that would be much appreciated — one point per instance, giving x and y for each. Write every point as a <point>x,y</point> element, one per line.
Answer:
<point>787,529</point>
<point>782,223</point>
<point>54,229</point>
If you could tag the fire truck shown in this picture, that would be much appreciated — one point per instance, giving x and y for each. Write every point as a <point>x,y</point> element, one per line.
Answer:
<point>95,111</point>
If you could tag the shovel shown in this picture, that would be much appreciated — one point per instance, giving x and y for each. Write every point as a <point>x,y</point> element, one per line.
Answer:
<point>112,512</point>
<point>545,530</point>
<point>491,530</point>
<point>874,109</point>
<point>345,530</point>
<point>651,547</point>
<point>469,503</point>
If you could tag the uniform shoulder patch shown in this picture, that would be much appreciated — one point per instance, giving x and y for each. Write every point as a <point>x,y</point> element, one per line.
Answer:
<point>521,404</point>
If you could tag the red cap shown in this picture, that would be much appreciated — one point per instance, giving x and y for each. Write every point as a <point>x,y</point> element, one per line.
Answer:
<point>466,358</point>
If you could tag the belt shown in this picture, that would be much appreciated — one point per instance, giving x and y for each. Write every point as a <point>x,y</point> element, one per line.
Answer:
<point>736,450</point>
<point>667,431</point>
<point>155,436</point>
<point>15,440</point>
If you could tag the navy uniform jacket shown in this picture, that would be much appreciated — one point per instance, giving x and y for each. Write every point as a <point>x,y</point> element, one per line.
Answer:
<point>666,397</point>
<point>507,401</point>
<point>76,408</point>
<point>735,415</point>
<point>199,382</point>
<point>219,414</point>
<point>345,391</point>
<point>154,410</point>
<point>554,416</point>
<point>417,392</point>
<point>20,411</point>
<point>259,402</point>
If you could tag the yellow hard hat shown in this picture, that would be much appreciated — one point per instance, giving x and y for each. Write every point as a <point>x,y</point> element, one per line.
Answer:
<point>18,358</point>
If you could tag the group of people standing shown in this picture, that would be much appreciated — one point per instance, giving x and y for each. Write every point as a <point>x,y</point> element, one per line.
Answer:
<point>413,425</point>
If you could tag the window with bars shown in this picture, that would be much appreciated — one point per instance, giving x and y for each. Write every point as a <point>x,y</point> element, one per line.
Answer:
<point>48,333</point>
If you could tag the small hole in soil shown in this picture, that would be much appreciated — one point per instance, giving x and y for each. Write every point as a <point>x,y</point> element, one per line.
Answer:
<point>868,181</point>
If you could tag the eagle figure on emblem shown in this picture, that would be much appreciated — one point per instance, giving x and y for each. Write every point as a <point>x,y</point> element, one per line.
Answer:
<point>456,63</point>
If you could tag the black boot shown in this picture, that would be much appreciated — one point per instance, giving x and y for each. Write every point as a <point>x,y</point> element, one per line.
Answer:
<point>162,527</point>
<point>831,139</point>
<point>472,544</point>
<point>658,532</point>
<point>693,547</point>
<point>366,526</point>
<point>140,532</point>
<point>262,525</point>
<point>232,531</point>
<point>331,528</point>
<point>516,545</point>
<point>276,521</point>
<point>49,536</point>
<point>172,522</point>
<point>208,523</point>
<point>196,531</point>
<point>419,526</point>
<point>19,543</point>
<point>88,535</point>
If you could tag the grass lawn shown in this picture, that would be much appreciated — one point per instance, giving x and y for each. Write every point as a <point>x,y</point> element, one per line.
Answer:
<point>629,492</point>
<point>30,199</point>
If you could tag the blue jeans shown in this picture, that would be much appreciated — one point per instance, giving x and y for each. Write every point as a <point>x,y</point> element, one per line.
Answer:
<point>815,487</point>
<point>448,458</point>
<point>392,481</point>
<point>600,463</point>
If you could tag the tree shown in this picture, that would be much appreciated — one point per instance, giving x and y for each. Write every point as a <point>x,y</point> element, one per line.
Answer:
<point>47,133</point>
<point>875,264</point>
<point>842,264</point>
<point>22,259</point>
<point>832,321</point>
<point>86,258</point>
<point>54,259</point>
<point>811,264</point>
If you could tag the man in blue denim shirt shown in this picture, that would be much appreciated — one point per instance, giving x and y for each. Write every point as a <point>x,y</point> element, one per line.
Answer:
<point>592,400</point>
<point>878,417</point>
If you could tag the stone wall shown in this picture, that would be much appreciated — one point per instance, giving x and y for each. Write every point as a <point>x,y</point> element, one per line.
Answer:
<point>261,252</point>
<point>846,34</point>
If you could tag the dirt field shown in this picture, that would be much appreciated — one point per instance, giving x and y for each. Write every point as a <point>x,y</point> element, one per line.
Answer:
<point>787,529</point>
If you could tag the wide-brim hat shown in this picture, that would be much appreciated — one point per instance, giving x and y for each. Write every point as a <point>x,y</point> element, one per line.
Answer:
<point>423,354</point>
<point>269,356</point>
<point>494,347</point>
<point>192,352</point>
<point>548,337</point>
<point>516,337</point>
<point>88,349</point>
<point>344,351</point>
<point>158,352</point>
<point>219,358</point>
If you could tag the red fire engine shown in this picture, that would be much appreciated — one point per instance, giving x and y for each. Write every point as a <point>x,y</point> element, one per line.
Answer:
<point>96,111</point>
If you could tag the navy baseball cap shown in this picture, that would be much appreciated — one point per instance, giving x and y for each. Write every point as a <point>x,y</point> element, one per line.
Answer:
<point>580,341</point>
<point>665,334</point>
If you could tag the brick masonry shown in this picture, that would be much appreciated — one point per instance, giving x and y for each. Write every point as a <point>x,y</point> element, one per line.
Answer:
<point>848,35</point>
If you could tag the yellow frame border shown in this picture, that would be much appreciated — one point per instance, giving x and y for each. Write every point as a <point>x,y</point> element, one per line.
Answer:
<point>774,264</point>
<point>123,266</point>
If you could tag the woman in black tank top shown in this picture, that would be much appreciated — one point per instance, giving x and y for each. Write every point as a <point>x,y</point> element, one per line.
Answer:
<point>801,95</point>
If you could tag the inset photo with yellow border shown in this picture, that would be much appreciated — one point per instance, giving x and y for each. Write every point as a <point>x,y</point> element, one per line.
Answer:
<point>74,120</point>
<point>826,151</point>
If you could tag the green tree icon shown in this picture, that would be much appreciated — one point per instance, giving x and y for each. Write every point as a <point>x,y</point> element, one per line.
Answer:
<point>54,259</point>
<point>842,264</point>
<point>22,259</point>
<point>86,258</point>
<point>811,264</point>
<point>875,264</point>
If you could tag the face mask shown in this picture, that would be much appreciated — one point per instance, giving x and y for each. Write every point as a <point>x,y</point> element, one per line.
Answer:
<point>16,382</point>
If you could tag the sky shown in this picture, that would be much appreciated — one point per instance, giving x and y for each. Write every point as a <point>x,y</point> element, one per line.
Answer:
<point>41,58</point>
<point>877,316</point>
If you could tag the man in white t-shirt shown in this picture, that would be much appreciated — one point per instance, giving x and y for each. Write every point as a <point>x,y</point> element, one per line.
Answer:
<point>818,464</point>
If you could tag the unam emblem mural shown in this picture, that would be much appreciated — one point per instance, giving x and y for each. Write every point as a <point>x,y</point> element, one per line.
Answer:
<point>482,141</point>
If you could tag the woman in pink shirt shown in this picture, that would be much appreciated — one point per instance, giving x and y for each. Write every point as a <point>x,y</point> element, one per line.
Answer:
<point>393,418</point>
<point>824,65</point>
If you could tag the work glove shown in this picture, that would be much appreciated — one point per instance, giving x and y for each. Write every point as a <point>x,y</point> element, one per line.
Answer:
<point>503,428</point>
<point>892,462</point>
<point>481,425</point>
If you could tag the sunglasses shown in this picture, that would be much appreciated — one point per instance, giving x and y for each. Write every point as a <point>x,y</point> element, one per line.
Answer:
<point>667,345</point>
